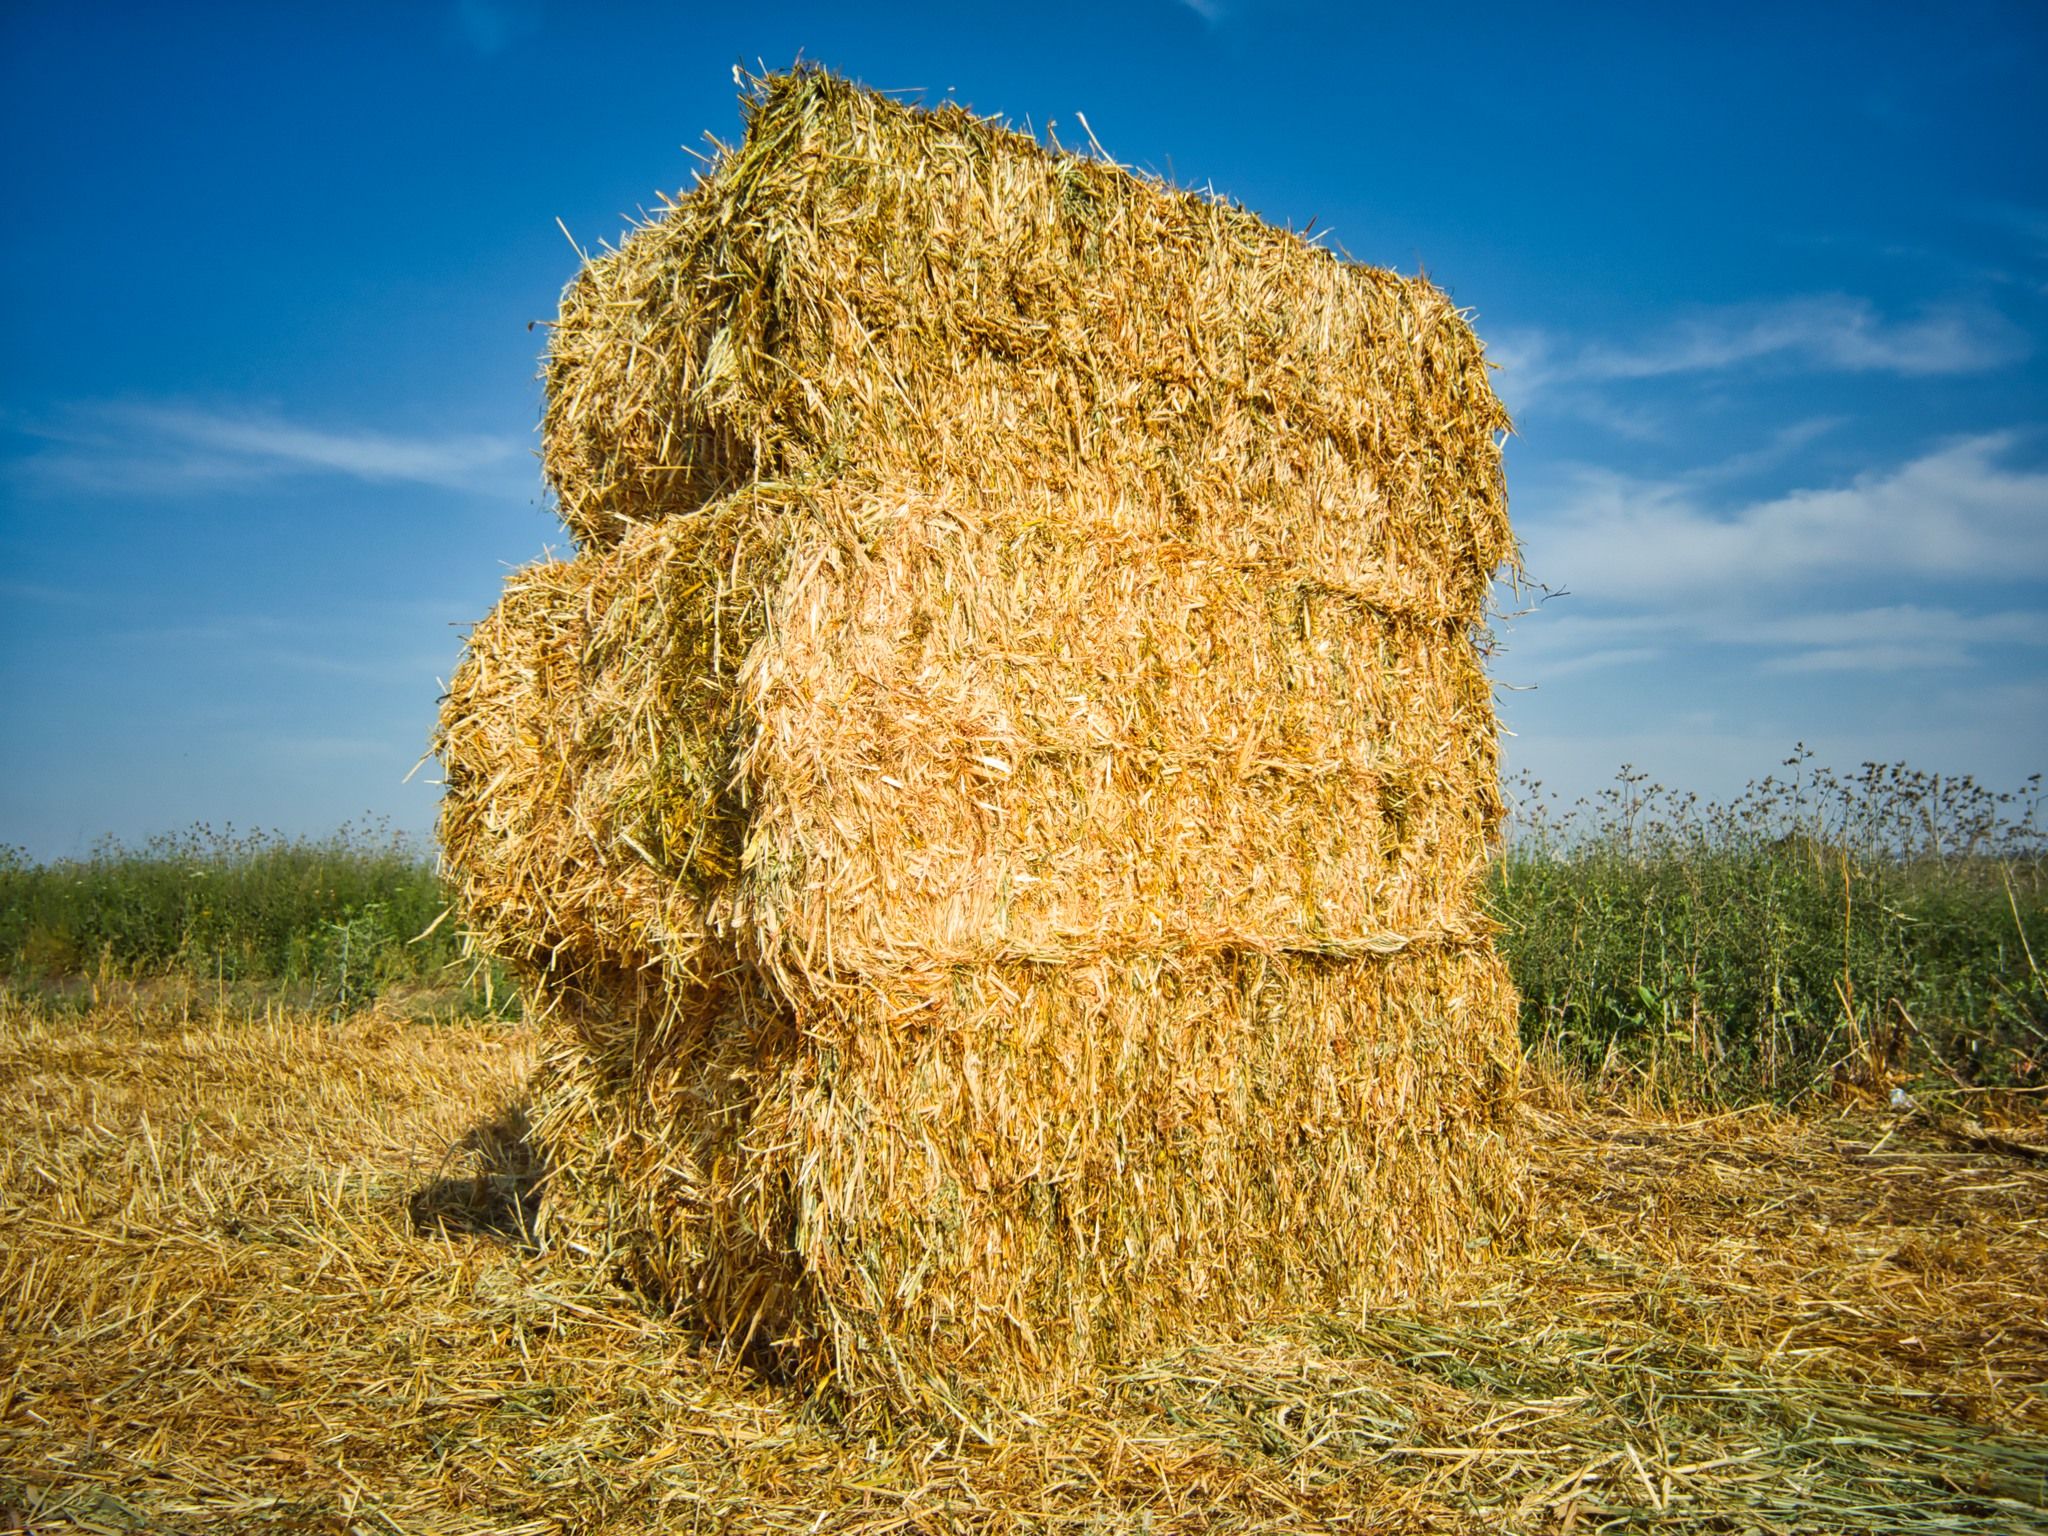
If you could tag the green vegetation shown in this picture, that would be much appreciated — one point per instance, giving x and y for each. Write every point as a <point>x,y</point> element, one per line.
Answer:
<point>1814,932</point>
<point>338,919</point>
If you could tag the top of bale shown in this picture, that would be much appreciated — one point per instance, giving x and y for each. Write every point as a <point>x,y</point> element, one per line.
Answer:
<point>863,293</point>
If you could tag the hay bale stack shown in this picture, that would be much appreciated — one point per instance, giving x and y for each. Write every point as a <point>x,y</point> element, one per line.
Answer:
<point>996,803</point>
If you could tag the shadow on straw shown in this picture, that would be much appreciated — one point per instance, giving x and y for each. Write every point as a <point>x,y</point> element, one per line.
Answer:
<point>500,1195</point>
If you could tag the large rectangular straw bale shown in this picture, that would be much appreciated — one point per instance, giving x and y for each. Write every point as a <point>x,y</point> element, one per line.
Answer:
<point>996,805</point>
<point>862,291</point>
<point>977,1181</point>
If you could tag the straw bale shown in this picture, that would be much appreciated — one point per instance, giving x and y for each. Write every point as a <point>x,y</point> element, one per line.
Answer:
<point>861,290</point>
<point>979,1180</point>
<point>994,808</point>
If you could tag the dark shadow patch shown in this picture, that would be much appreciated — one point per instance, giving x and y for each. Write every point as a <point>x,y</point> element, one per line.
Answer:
<point>500,1195</point>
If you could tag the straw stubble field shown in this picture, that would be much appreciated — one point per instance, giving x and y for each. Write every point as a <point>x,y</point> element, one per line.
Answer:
<point>272,1271</point>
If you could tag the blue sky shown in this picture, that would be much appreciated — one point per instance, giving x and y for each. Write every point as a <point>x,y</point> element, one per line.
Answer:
<point>1769,289</point>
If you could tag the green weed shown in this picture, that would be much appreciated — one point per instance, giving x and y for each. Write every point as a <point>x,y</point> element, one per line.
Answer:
<point>1818,932</point>
<point>337,920</point>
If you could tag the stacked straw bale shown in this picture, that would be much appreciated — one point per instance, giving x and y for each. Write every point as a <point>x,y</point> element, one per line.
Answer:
<point>995,804</point>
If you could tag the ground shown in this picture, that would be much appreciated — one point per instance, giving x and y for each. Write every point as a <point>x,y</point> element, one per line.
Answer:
<point>263,1268</point>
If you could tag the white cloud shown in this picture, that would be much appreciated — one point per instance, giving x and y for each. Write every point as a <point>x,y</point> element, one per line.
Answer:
<point>1217,13</point>
<point>1783,444</point>
<point>268,643</point>
<point>1828,333</point>
<point>1601,658</point>
<point>39,592</point>
<point>1906,623</point>
<point>1957,513</point>
<point>1561,641</point>
<point>1904,638</point>
<point>450,461</point>
<point>1854,578</point>
<point>1820,333</point>
<point>1884,657</point>
<point>2029,223</point>
<point>131,448</point>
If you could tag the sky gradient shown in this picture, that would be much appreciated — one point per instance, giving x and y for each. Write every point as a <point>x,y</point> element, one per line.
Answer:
<point>1769,296</point>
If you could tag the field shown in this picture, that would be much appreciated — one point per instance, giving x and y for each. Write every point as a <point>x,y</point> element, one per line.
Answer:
<point>265,1254</point>
<point>267,1268</point>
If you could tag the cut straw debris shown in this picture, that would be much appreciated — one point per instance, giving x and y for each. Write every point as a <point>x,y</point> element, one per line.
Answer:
<point>993,809</point>
<point>271,1272</point>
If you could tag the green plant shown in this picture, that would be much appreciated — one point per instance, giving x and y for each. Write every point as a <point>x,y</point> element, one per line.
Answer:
<point>1816,931</point>
<point>340,918</point>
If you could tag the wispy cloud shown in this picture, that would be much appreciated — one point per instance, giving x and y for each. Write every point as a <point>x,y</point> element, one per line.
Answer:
<point>280,646</point>
<point>1960,511</point>
<point>1656,569</point>
<point>1906,637</point>
<point>2024,229</point>
<point>1830,333</point>
<point>125,448</point>
<point>2024,220</point>
<point>1783,444</point>
<point>1894,638</point>
<point>1211,11</point>
<point>40,592</point>
<point>1820,333</point>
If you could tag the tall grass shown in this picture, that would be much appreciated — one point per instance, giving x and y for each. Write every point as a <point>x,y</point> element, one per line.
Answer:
<point>1818,931</point>
<point>341,917</point>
